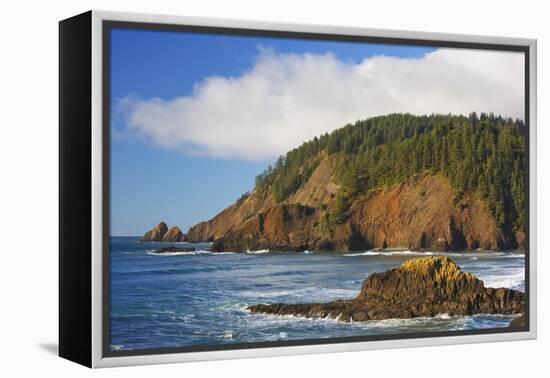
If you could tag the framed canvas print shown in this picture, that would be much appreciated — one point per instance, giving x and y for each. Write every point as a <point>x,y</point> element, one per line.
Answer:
<point>233,189</point>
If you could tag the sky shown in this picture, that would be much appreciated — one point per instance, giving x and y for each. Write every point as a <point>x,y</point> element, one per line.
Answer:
<point>195,117</point>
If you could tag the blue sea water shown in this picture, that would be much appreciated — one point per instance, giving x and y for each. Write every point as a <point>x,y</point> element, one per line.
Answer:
<point>200,298</point>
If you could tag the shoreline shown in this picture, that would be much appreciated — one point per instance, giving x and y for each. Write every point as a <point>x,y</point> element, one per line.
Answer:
<point>389,250</point>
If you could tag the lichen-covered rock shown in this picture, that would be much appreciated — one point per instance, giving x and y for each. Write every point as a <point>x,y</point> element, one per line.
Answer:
<point>174,234</point>
<point>156,234</point>
<point>419,287</point>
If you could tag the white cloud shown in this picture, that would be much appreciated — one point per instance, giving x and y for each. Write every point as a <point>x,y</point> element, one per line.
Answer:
<point>285,99</point>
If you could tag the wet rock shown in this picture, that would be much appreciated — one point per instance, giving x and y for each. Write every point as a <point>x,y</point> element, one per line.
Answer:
<point>173,249</point>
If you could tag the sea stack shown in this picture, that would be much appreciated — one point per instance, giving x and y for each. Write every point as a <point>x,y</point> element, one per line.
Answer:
<point>156,234</point>
<point>174,234</point>
<point>161,233</point>
<point>419,287</point>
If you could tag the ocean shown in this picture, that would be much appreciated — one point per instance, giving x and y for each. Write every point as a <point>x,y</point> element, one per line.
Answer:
<point>200,298</point>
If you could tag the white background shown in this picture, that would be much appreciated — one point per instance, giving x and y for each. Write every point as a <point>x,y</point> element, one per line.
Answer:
<point>28,190</point>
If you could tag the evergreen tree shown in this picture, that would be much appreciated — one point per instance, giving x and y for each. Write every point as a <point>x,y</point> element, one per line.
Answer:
<point>483,154</point>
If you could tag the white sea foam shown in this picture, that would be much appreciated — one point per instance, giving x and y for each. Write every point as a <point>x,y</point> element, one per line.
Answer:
<point>260,251</point>
<point>390,253</point>
<point>511,278</point>
<point>508,255</point>
<point>438,322</point>
<point>515,256</point>
<point>228,334</point>
<point>198,252</point>
<point>305,294</point>
<point>407,253</point>
<point>367,253</point>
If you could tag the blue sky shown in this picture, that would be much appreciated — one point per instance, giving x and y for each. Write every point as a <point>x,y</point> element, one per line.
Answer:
<point>150,182</point>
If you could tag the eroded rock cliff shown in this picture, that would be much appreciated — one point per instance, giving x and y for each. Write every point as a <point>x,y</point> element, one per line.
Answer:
<point>423,212</point>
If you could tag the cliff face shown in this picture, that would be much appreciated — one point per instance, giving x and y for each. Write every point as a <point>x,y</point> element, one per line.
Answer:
<point>419,287</point>
<point>319,190</point>
<point>423,212</point>
<point>232,218</point>
<point>426,213</point>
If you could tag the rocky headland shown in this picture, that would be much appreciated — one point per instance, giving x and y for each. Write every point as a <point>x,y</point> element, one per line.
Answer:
<point>419,287</point>
<point>422,213</point>
<point>399,181</point>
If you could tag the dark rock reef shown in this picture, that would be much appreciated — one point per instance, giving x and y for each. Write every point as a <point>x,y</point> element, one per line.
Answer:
<point>161,233</point>
<point>173,249</point>
<point>419,287</point>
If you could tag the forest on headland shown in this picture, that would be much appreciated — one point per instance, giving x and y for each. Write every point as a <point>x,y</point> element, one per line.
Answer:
<point>484,153</point>
<point>432,182</point>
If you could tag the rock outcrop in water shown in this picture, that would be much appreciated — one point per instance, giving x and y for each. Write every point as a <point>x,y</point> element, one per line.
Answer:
<point>156,234</point>
<point>161,233</point>
<point>173,249</point>
<point>174,234</point>
<point>419,287</point>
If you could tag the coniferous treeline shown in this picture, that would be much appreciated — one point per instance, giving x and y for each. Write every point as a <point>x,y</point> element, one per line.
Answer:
<point>484,154</point>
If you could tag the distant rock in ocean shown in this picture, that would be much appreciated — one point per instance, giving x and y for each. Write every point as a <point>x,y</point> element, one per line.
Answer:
<point>174,234</point>
<point>156,234</point>
<point>161,233</point>
<point>419,287</point>
<point>173,249</point>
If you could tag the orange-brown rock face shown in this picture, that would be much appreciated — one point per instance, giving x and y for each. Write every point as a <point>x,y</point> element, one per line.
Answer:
<point>423,212</point>
<point>281,227</point>
<point>419,287</point>
<point>231,218</point>
<point>319,190</point>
